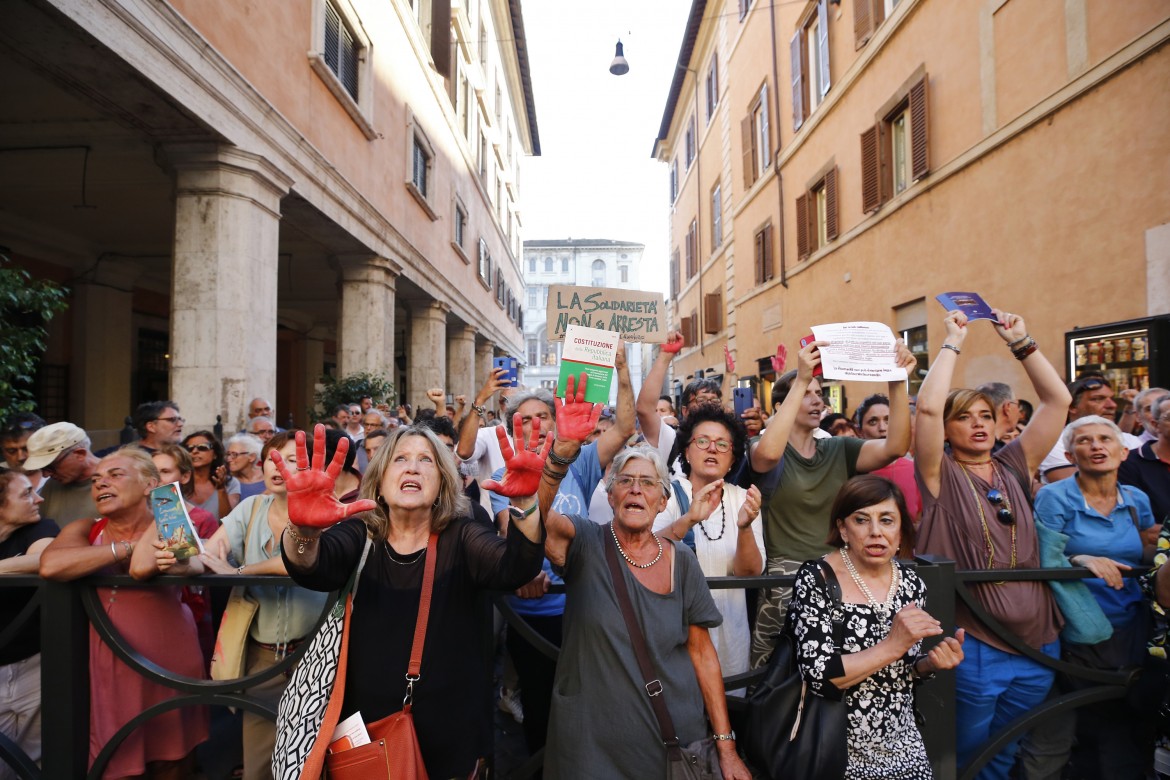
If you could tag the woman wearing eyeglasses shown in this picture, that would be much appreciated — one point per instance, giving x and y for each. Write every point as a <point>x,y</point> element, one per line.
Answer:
<point>215,489</point>
<point>243,462</point>
<point>975,511</point>
<point>728,534</point>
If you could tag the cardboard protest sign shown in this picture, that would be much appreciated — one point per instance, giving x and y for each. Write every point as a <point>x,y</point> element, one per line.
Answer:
<point>638,315</point>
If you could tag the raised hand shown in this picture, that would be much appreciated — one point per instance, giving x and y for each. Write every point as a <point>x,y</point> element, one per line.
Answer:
<point>310,489</point>
<point>808,359</point>
<point>436,396</point>
<point>956,325</point>
<point>674,343</point>
<point>1010,327</point>
<point>780,359</point>
<point>576,418</point>
<point>704,502</point>
<point>728,360</point>
<point>904,357</point>
<point>219,477</point>
<point>750,509</point>
<point>521,469</point>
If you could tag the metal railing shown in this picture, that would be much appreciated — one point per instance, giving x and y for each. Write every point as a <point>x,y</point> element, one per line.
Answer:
<point>69,609</point>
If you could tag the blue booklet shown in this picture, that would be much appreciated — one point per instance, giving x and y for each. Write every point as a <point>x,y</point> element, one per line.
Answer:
<point>971,304</point>
<point>173,523</point>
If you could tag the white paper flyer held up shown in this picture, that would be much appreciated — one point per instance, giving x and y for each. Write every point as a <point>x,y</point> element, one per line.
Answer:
<point>859,352</point>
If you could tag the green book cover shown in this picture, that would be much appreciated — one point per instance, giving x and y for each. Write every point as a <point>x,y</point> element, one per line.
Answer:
<point>173,523</point>
<point>593,352</point>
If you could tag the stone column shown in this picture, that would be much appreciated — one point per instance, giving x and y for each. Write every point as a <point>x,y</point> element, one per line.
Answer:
<point>103,345</point>
<point>314,364</point>
<point>426,362</point>
<point>461,363</point>
<point>484,352</point>
<point>366,324</point>
<point>223,288</point>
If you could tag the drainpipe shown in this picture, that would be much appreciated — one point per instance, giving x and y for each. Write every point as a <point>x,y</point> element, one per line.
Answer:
<point>776,155</point>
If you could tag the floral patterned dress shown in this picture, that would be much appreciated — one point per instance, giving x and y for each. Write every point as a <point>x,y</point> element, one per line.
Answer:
<point>884,741</point>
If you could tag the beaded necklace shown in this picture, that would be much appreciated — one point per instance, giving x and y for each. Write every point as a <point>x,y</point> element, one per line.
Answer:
<point>886,607</point>
<point>722,522</point>
<point>989,545</point>
<point>630,560</point>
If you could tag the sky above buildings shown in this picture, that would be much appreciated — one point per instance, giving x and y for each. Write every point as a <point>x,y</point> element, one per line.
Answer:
<point>595,177</point>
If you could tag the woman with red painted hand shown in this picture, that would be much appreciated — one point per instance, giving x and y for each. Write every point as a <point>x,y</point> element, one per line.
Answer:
<point>728,534</point>
<point>154,621</point>
<point>411,491</point>
<point>603,721</point>
<point>975,511</point>
<point>874,656</point>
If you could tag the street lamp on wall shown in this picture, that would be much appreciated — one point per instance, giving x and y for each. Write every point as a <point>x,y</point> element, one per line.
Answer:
<point>619,66</point>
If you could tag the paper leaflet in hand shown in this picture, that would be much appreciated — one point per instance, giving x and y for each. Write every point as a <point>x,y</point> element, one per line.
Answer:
<point>971,304</point>
<point>593,352</point>
<point>350,733</point>
<point>173,523</point>
<point>859,351</point>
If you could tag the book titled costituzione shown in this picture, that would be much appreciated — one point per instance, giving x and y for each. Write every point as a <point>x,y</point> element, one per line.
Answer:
<point>173,523</point>
<point>593,352</point>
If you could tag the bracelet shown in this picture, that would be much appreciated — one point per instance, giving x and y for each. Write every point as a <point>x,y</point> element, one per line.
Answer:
<point>129,548</point>
<point>1018,342</point>
<point>952,348</point>
<point>301,541</point>
<point>917,675</point>
<point>480,410</point>
<point>240,571</point>
<point>553,475</point>
<point>1022,352</point>
<point>566,462</point>
<point>114,551</point>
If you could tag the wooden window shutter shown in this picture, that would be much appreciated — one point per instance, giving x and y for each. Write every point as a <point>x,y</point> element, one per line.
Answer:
<point>713,312</point>
<point>441,36</point>
<point>831,204</point>
<point>674,272</point>
<point>802,249</point>
<point>823,44</point>
<point>769,267</point>
<point>871,189</point>
<point>919,131</point>
<point>797,80</point>
<point>684,327</point>
<point>862,21</point>
<point>690,252</point>
<point>758,256</point>
<point>692,331</point>
<point>748,136</point>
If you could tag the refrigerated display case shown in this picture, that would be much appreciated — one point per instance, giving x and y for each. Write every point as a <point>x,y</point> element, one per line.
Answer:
<point>1134,354</point>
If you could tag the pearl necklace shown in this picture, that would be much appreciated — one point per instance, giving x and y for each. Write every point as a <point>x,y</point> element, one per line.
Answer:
<point>895,581</point>
<point>630,560</point>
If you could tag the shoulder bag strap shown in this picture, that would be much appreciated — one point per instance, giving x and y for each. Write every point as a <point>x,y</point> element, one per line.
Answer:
<point>420,624</point>
<point>833,589</point>
<point>251,522</point>
<point>684,505</point>
<point>653,685</point>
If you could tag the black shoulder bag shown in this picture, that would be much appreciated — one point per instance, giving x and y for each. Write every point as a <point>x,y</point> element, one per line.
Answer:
<point>792,732</point>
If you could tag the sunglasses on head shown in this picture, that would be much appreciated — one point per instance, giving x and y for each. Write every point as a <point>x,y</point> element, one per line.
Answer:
<point>1002,513</point>
<point>1086,386</point>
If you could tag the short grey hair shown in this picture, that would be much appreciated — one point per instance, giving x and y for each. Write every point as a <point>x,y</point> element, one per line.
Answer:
<point>255,420</point>
<point>999,392</point>
<point>247,441</point>
<point>1070,430</point>
<point>381,416</point>
<point>1157,408</point>
<point>515,402</point>
<point>645,452</point>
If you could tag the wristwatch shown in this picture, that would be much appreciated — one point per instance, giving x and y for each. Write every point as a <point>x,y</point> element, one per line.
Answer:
<point>516,513</point>
<point>724,737</point>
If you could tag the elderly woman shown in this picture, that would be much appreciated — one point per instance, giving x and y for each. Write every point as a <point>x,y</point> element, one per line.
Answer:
<point>249,537</point>
<point>976,512</point>
<point>23,535</point>
<point>1106,524</point>
<point>729,539</point>
<point>244,464</point>
<point>610,729</point>
<point>153,620</point>
<point>214,488</point>
<point>411,492</point>
<point>877,657</point>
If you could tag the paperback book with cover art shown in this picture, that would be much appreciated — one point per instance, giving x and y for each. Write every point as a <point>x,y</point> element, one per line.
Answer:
<point>173,523</point>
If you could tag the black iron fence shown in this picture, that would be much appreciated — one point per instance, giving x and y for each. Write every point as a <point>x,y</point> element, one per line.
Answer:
<point>69,609</point>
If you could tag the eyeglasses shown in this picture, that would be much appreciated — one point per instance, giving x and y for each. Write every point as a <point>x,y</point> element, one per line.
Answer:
<point>625,482</point>
<point>200,448</point>
<point>1003,512</point>
<point>703,443</point>
<point>229,455</point>
<point>176,420</point>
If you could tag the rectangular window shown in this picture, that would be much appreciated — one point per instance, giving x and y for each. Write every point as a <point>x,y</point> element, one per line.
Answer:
<point>533,352</point>
<point>483,45</point>
<point>712,87</point>
<point>744,5</point>
<point>341,57</point>
<point>484,265</point>
<point>754,134</point>
<point>532,265</point>
<point>867,17</point>
<point>674,283</point>
<point>341,51</point>
<point>713,312</point>
<point>690,142</point>
<point>816,215</point>
<point>692,238</point>
<point>810,63</point>
<point>483,158</point>
<point>716,218</point>
<point>533,297</point>
<point>460,224</point>
<point>673,180</point>
<point>624,271</point>
<point>420,165</point>
<point>564,265</point>
<point>762,247</point>
<point>895,152</point>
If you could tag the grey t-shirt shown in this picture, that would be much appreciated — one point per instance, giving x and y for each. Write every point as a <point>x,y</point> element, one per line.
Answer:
<point>66,503</point>
<point>602,724</point>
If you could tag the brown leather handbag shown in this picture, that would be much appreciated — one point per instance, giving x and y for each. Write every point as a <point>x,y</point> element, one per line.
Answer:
<point>393,752</point>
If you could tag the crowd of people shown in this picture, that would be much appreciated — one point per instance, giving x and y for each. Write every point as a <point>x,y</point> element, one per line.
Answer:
<point>601,524</point>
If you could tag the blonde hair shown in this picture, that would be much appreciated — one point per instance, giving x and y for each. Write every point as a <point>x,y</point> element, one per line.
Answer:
<point>140,461</point>
<point>962,399</point>
<point>451,502</point>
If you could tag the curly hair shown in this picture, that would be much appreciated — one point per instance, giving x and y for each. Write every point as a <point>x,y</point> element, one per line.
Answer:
<point>715,414</point>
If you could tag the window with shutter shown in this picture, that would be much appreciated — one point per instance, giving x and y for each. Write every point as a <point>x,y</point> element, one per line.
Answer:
<point>816,214</point>
<point>712,87</point>
<point>340,55</point>
<point>673,181</point>
<point>713,312</point>
<point>674,287</point>
<point>895,152</point>
<point>690,143</point>
<point>762,248</point>
<point>797,49</point>
<point>693,333</point>
<point>831,204</point>
<point>867,17</point>
<point>692,247</point>
<point>754,138</point>
<point>748,141</point>
<point>684,327</point>
<point>919,130</point>
<point>810,63</point>
<point>716,218</point>
<point>802,248</point>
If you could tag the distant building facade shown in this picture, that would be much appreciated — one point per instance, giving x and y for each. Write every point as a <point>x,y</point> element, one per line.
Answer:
<point>836,161</point>
<point>243,197</point>
<point>581,262</point>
